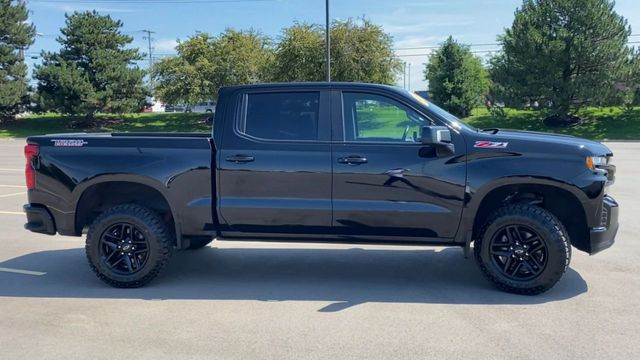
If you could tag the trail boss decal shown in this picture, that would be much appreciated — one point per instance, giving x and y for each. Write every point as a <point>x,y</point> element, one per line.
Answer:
<point>490,145</point>
<point>68,143</point>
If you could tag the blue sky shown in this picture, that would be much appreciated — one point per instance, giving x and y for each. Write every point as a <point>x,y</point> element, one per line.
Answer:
<point>412,23</point>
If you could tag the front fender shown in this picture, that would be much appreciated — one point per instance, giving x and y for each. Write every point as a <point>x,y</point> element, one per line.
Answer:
<point>475,196</point>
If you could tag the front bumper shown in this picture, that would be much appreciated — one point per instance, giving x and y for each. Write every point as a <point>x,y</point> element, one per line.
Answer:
<point>39,219</point>
<point>603,237</point>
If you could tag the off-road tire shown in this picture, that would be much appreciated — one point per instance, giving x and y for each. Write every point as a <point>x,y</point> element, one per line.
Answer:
<point>153,228</point>
<point>548,228</point>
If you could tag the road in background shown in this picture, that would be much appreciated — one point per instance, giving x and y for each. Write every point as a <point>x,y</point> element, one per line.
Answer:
<point>291,301</point>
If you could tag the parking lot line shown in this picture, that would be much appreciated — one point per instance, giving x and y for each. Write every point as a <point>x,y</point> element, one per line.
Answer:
<point>12,194</point>
<point>24,272</point>
<point>19,170</point>
<point>12,186</point>
<point>11,213</point>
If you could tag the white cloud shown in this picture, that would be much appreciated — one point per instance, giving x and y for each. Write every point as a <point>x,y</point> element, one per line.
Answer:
<point>165,45</point>
<point>71,7</point>
<point>411,41</point>
<point>408,19</point>
<point>412,26</point>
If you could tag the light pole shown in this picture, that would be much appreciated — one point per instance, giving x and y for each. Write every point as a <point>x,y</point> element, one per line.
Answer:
<point>404,75</point>
<point>327,50</point>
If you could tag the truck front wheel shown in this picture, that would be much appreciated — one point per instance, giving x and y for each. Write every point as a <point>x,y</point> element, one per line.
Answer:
<point>523,249</point>
<point>128,245</point>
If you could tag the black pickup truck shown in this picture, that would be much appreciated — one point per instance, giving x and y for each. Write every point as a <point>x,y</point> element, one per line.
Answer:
<point>326,162</point>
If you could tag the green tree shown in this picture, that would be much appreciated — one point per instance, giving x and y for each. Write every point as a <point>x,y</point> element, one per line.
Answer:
<point>15,35</point>
<point>94,70</point>
<point>629,85</point>
<point>299,54</point>
<point>187,77</point>
<point>360,51</point>
<point>205,63</point>
<point>457,80</point>
<point>565,53</point>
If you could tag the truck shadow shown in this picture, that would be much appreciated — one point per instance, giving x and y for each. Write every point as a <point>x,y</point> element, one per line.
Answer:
<point>344,277</point>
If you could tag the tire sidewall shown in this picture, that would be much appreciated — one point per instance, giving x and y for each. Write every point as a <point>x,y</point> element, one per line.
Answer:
<point>93,242</point>
<point>558,251</point>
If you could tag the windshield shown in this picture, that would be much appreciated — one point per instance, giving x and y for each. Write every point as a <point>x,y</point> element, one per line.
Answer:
<point>443,114</point>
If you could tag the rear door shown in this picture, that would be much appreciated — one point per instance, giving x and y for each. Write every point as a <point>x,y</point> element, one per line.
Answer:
<point>275,163</point>
<point>385,182</point>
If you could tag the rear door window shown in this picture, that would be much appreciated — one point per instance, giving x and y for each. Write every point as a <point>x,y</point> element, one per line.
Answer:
<point>282,115</point>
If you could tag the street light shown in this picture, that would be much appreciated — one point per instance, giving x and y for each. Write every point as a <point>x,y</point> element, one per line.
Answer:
<point>327,50</point>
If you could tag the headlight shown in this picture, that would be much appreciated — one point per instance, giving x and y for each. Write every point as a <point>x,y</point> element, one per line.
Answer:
<point>594,162</point>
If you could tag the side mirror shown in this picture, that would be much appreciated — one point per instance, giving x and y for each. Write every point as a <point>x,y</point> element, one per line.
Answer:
<point>438,137</point>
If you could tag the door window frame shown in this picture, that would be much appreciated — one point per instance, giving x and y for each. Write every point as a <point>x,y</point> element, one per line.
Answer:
<point>339,119</point>
<point>324,118</point>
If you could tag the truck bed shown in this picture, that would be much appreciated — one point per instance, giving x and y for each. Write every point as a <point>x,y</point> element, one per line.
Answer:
<point>174,166</point>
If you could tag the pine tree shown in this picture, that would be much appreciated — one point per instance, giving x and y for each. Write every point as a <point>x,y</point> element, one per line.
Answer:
<point>457,80</point>
<point>562,53</point>
<point>15,36</point>
<point>94,70</point>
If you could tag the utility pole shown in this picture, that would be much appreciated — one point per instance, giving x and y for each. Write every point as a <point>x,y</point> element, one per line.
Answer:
<point>327,50</point>
<point>409,78</point>
<point>148,37</point>
<point>21,49</point>
<point>404,75</point>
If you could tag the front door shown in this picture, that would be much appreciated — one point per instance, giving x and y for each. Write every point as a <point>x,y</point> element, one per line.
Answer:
<point>385,182</point>
<point>275,164</point>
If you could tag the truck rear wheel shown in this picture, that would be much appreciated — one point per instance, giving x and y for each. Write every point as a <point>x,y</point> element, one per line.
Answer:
<point>128,245</point>
<point>523,249</point>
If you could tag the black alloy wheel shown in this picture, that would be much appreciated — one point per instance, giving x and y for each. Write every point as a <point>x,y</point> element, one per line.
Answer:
<point>522,249</point>
<point>518,252</point>
<point>124,248</point>
<point>128,245</point>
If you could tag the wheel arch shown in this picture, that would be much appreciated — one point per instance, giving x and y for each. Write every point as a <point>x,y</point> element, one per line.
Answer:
<point>563,201</point>
<point>105,192</point>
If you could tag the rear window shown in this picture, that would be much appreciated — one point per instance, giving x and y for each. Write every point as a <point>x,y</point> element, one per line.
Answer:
<point>283,115</point>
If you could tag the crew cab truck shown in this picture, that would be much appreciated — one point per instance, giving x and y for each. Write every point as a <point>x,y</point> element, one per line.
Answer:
<point>326,162</point>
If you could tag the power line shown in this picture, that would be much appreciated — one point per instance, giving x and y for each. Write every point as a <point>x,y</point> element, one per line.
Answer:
<point>156,55</point>
<point>152,1</point>
<point>436,47</point>
<point>474,45</point>
<point>428,54</point>
<point>475,51</point>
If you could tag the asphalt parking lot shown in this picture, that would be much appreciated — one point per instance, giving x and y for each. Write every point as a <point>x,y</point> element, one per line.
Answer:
<point>253,300</point>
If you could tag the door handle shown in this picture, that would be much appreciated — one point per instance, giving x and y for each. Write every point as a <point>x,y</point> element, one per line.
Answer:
<point>240,158</point>
<point>353,160</point>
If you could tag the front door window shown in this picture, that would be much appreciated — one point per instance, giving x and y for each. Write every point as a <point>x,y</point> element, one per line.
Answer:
<point>376,118</point>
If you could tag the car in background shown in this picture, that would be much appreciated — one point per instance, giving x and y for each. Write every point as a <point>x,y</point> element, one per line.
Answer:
<point>205,107</point>
<point>169,108</point>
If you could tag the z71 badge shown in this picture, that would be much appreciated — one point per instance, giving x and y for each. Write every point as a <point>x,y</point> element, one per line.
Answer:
<point>490,145</point>
<point>68,142</point>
